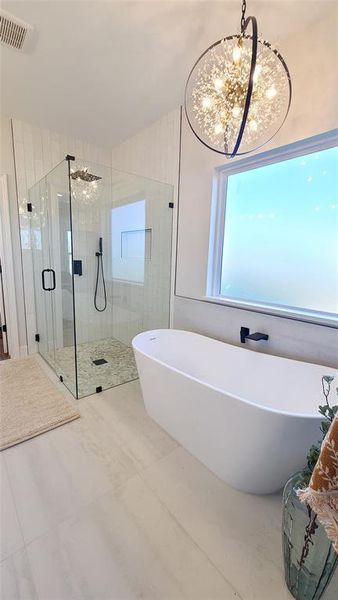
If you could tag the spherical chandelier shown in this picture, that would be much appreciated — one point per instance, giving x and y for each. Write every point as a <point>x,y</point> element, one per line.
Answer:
<point>238,92</point>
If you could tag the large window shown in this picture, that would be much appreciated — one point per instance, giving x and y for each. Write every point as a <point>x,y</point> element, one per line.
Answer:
<point>277,241</point>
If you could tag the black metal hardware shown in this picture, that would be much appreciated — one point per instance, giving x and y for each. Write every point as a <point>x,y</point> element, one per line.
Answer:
<point>69,158</point>
<point>43,279</point>
<point>99,389</point>
<point>99,268</point>
<point>100,361</point>
<point>77,267</point>
<point>54,280</point>
<point>171,205</point>
<point>61,378</point>
<point>37,337</point>
<point>243,16</point>
<point>48,289</point>
<point>29,207</point>
<point>4,328</point>
<point>251,80</point>
<point>256,337</point>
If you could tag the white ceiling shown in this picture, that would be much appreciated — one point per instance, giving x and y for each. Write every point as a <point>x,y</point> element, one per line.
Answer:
<point>103,70</point>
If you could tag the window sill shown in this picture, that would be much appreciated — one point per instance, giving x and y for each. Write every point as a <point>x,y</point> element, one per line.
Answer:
<point>326,319</point>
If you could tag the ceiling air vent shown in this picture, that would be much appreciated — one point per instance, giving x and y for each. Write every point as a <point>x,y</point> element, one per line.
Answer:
<point>13,31</point>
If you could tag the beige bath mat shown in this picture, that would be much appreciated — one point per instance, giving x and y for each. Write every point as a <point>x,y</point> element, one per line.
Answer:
<point>30,403</point>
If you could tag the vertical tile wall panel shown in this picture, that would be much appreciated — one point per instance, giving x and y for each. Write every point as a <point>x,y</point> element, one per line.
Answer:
<point>37,151</point>
<point>154,153</point>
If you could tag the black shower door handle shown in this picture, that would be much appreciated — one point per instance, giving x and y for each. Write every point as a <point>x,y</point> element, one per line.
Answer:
<point>48,289</point>
<point>54,280</point>
<point>43,279</point>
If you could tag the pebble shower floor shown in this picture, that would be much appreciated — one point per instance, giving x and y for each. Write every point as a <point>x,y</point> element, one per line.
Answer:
<point>119,367</point>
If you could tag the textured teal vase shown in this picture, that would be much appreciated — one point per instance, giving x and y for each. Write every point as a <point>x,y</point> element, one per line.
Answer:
<point>309,557</point>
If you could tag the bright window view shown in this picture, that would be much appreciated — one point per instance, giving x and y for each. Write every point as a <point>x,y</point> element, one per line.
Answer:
<point>281,234</point>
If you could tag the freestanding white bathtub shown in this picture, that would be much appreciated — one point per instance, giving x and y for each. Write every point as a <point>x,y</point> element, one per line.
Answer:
<point>249,417</point>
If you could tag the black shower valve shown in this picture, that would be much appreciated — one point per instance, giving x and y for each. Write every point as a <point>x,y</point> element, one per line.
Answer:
<point>77,267</point>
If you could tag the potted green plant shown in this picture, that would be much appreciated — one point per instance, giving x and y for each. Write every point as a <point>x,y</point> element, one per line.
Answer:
<point>309,557</point>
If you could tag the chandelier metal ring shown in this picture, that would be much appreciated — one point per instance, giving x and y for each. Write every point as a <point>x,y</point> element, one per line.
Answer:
<point>249,91</point>
<point>250,83</point>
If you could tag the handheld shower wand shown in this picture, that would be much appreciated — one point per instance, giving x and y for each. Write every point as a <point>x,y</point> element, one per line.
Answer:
<point>99,255</point>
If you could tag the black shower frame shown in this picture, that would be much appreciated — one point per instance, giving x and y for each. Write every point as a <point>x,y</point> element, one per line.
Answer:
<point>69,159</point>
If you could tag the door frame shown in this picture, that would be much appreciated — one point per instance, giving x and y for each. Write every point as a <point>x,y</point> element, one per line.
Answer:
<point>6,252</point>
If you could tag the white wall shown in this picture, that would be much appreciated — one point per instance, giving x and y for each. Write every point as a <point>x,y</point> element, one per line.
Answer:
<point>154,153</point>
<point>7,168</point>
<point>36,152</point>
<point>311,57</point>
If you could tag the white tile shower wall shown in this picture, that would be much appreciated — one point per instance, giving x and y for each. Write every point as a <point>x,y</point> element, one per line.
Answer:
<point>89,223</point>
<point>130,306</point>
<point>37,151</point>
<point>140,306</point>
<point>153,153</point>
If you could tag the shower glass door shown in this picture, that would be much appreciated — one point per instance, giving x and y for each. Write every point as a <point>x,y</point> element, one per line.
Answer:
<point>40,236</point>
<point>51,238</point>
<point>124,287</point>
<point>101,245</point>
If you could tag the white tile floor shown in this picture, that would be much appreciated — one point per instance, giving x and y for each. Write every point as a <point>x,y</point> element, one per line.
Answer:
<point>109,507</point>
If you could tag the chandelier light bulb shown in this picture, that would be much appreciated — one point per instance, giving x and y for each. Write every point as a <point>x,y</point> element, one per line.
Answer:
<point>218,83</point>
<point>206,102</point>
<point>240,87</point>
<point>237,54</point>
<point>257,73</point>
<point>271,92</point>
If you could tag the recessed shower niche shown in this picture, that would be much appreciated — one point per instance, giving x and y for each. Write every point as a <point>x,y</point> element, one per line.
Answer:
<point>101,244</point>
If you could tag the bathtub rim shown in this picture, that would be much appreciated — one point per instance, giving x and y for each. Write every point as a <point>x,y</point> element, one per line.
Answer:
<point>215,388</point>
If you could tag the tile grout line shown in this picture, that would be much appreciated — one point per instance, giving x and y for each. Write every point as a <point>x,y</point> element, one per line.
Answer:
<point>84,507</point>
<point>112,487</point>
<point>14,502</point>
<point>275,564</point>
<point>24,545</point>
<point>179,524</point>
<point>81,510</point>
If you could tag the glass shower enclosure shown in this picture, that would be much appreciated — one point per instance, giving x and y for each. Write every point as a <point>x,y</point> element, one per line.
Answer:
<point>101,245</point>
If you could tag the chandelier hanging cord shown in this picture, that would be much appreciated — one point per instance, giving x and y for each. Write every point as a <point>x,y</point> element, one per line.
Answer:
<point>251,74</point>
<point>243,16</point>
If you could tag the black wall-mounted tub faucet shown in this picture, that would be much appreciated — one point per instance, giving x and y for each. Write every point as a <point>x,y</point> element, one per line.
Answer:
<point>246,335</point>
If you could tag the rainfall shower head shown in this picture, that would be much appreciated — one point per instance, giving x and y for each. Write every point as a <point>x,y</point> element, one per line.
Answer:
<point>84,175</point>
<point>86,187</point>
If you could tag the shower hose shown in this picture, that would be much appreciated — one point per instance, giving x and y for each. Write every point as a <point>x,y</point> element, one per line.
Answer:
<point>100,267</point>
